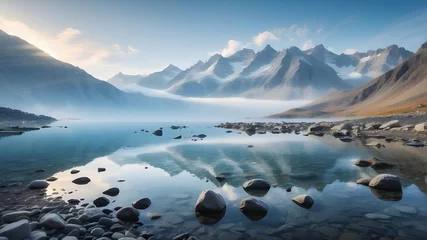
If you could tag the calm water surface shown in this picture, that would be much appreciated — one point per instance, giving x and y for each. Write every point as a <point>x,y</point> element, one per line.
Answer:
<point>172,173</point>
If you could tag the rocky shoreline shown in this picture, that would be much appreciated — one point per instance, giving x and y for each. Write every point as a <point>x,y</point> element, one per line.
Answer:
<point>410,129</point>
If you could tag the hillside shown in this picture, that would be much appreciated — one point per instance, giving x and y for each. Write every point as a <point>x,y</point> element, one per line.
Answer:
<point>401,90</point>
<point>9,115</point>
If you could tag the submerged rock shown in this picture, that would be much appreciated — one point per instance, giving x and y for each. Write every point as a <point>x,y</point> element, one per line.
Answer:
<point>128,214</point>
<point>381,165</point>
<point>210,201</point>
<point>253,208</point>
<point>142,203</point>
<point>386,182</point>
<point>303,201</point>
<point>364,181</point>
<point>38,184</point>
<point>364,162</point>
<point>178,137</point>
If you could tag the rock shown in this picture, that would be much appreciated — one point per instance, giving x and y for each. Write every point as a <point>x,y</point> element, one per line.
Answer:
<point>112,192</point>
<point>405,209</point>
<point>303,201</point>
<point>128,214</point>
<point>117,227</point>
<point>220,178</point>
<point>421,127</point>
<point>381,165</point>
<point>373,126</point>
<point>74,233</point>
<point>53,221</point>
<point>101,169</point>
<point>154,216</point>
<point>256,184</point>
<point>101,202</point>
<point>386,182</point>
<point>73,201</point>
<point>74,171</point>
<point>38,235</point>
<point>374,144</point>
<point>377,216</point>
<point>81,180</point>
<point>97,232</point>
<point>209,201</point>
<point>343,126</point>
<point>74,221</point>
<point>14,216</point>
<point>92,215</point>
<point>117,236</point>
<point>250,131</point>
<point>70,238</point>
<point>19,230</point>
<point>158,133</point>
<point>38,184</point>
<point>390,124</point>
<point>51,179</point>
<point>105,221</point>
<point>142,203</point>
<point>364,162</point>
<point>415,143</point>
<point>330,232</point>
<point>201,135</point>
<point>70,227</point>
<point>364,181</point>
<point>178,137</point>
<point>34,225</point>
<point>250,146</point>
<point>253,208</point>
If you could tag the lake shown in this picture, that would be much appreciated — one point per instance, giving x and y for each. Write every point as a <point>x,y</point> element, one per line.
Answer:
<point>173,172</point>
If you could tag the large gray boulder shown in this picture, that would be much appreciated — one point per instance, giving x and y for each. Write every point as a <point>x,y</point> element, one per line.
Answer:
<point>13,216</point>
<point>38,184</point>
<point>256,184</point>
<point>422,127</point>
<point>303,201</point>
<point>210,201</point>
<point>52,221</point>
<point>128,214</point>
<point>386,182</point>
<point>19,230</point>
<point>253,205</point>
<point>390,124</point>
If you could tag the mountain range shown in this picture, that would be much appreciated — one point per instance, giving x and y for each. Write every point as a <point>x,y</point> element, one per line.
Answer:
<point>400,90</point>
<point>270,74</point>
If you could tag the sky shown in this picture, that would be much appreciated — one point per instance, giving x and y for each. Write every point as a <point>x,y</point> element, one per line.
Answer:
<point>105,37</point>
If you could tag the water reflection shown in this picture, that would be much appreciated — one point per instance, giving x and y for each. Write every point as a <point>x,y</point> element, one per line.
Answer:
<point>172,173</point>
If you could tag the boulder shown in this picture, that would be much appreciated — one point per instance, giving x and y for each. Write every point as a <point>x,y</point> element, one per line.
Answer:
<point>38,184</point>
<point>74,171</point>
<point>158,133</point>
<point>373,126</point>
<point>256,184</point>
<point>97,232</point>
<point>386,182</point>
<point>343,126</point>
<point>19,230</point>
<point>52,221</point>
<point>364,162</point>
<point>252,205</point>
<point>92,215</point>
<point>364,181</point>
<point>38,235</point>
<point>128,214</point>
<point>101,169</point>
<point>14,216</point>
<point>303,201</point>
<point>81,180</point>
<point>178,137</point>
<point>421,127</point>
<point>250,131</point>
<point>142,203</point>
<point>112,192</point>
<point>101,202</point>
<point>381,165</point>
<point>51,179</point>
<point>390,124</point>
<point>209,201</point>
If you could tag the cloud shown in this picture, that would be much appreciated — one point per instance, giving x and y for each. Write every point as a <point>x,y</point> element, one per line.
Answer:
<point>292,32</point>
<point>350,51</point>
<point>330,49</point>
<point>261,38</point>
<point>307,45</point>
<point>232,47</point>
<point>319,30</point>
<point>71,46</point>
<point>301,32</point>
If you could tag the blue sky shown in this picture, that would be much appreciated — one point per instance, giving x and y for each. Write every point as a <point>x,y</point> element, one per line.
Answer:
<point>105,37</point>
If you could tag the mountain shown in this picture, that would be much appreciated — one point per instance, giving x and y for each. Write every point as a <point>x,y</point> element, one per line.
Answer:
<point>359,68</point>
<point>29,76</point>
<point>121,79</point>
<point>12,115</point>
<point>267,74</point>
<point>160,80</point>
<point>400,90</point>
